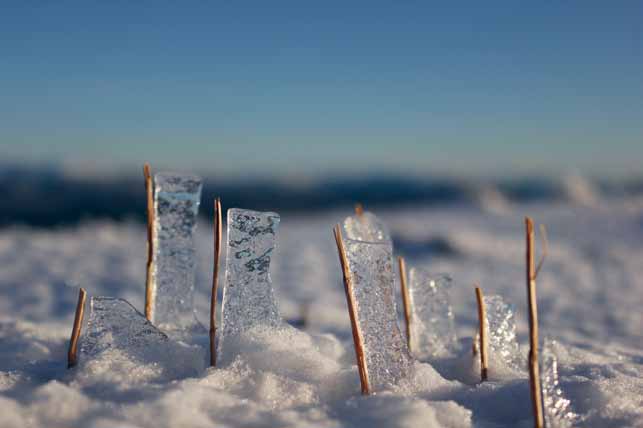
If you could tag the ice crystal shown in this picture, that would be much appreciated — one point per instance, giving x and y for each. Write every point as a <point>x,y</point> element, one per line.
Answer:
<point>501,326</point>
<point>248,296</point>
<point>556,407</point>
<point>432,320</point>
<point>176,205</point>
<point>372,278</point>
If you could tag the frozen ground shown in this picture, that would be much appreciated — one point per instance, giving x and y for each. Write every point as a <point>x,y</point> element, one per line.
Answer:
<point>590,298</point>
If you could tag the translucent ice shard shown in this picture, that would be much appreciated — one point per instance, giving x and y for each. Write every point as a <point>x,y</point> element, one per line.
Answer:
<point>120,338</point>
<point>115,324</point>
<point>556,407</point>
<point>366,227</point>
<point>432,324</point>
<point>176,204</point>
<point>501,326</point>
<point>248,296</point>
<point>372,277</point>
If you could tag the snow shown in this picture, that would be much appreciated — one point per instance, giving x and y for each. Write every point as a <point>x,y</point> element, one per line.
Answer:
<point>590,293</point>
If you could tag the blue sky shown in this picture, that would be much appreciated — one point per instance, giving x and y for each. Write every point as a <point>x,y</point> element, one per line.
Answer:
<point>296,87</point>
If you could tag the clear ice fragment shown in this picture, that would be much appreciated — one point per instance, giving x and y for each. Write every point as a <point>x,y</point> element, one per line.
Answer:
<point>176,205</point>
<point>248,296</point>
<point>366,227</point>
<point>555,406</point>
<point>372,278</point>
<point>115,324</point>
<point>432,320</point>
<point>115,333</point>
<point>501,326</point>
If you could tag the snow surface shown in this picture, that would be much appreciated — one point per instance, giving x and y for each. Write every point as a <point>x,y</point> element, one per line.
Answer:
<point>590,297</point>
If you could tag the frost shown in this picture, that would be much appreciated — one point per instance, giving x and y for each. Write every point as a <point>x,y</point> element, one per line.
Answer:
<point>115,324</point>
<point>556,407</point>
<point>501,326</point>
<point>248,296</point>
<point>366,227</point>
<point>432,320</point>
<point>176,204</point>
<point>385,351</point>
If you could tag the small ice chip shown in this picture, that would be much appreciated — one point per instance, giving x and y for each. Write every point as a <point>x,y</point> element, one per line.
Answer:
<point>248,296</point>
<point>176,205</point>
<point>372,278</point>
<point>432,320</point>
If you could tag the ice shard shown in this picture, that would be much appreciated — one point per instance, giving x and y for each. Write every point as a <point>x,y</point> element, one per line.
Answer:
<point>432,321</point>
<point>115,324</point>
<point>501,326</point>
<point>248,297</point>
<point>176,205</point>
<point>366,227</point>
<point>372,278</point>
<point>116,333</point>
<point>555,406</point>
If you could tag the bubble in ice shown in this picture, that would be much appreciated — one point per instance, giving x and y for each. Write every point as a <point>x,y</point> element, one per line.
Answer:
<point>248,296</point>
<point>501,325</point>
<point>432,320</point>
<point>372,278</point>
<point>556,407</point>
<point>366,227</point>
<point>176,205</point>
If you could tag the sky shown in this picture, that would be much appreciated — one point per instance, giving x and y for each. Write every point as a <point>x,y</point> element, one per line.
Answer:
<point>318,87</point>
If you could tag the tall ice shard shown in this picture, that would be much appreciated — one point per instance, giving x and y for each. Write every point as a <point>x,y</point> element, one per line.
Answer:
<point>372,277</point>
<point>248,296</point>
<point>432,325</point>
<point>176,205</point>
<point>501,326</point>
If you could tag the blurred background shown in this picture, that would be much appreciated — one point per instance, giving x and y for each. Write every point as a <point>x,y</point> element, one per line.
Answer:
<point>304,107</point>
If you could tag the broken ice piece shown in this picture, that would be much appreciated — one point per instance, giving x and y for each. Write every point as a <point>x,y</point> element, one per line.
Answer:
<point>176,205</point>
<point>432,321</point>
<point>555,406</point>
<point>501,326</point>
<point>366,227</point>
<point>115,324</point>
<point>372,278</point>
<point>248,296</point>
<point>116,331</point>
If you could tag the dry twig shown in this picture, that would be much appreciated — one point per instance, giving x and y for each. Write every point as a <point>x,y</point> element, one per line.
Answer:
<point>215,281</point>
<point>72,354</point>
<point>406,301</point>
<point>149,277</point>
<point>352,312</point>
<point>484,344</point>
<point>534,370</point>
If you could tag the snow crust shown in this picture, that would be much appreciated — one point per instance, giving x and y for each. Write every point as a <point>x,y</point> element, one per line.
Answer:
<point>590,294</point>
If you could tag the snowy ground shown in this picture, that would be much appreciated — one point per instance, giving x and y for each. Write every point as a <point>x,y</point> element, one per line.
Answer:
<point>590,300</point>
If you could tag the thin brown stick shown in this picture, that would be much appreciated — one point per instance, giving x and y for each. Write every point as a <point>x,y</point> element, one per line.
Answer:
<point>484,345</point>
<point>406,301</point>
<point>534,370</point>
<point>72,354</point>
<point>545,249</point>
<point>215,281</point>
<point>352,312</point>
<point>149,276</point>
<point>359,209</point>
